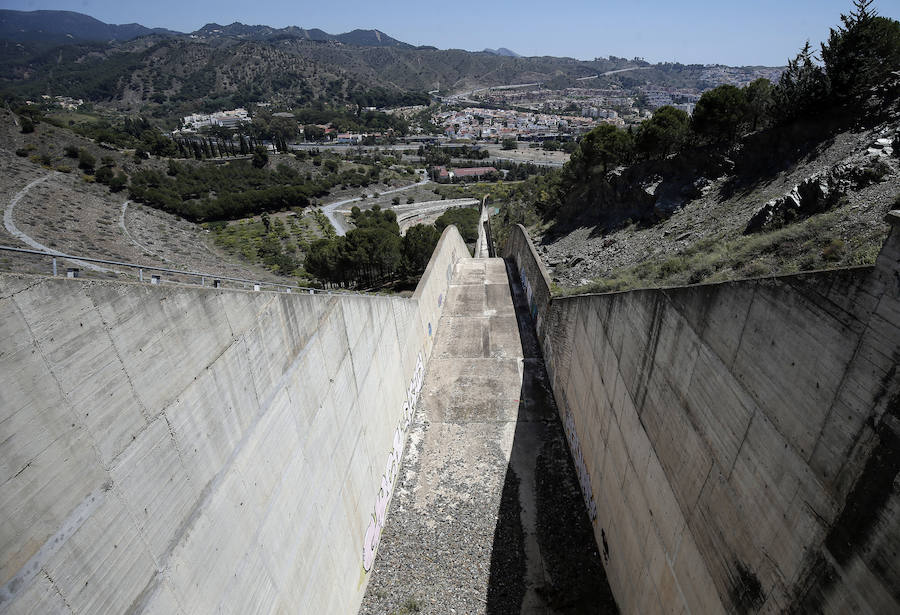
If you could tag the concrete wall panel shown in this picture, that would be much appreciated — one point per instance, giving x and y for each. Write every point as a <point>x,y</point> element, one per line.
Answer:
<point>182,450</point>
<point>741,438</point>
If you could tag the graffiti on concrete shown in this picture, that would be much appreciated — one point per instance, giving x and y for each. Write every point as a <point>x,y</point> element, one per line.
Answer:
<point>392,467</point>
<point>532,303</point>
<point>584,479</point>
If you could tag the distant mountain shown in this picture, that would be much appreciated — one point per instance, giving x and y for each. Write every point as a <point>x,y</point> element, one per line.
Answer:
<point>503,51</point>
<point>67,26</point>
<point>370,38</point>
<point>362,38</point>
<point>237,64</point>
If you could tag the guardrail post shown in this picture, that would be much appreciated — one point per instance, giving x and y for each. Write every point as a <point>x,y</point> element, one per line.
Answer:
<point>256,287</point>
<point>202,281</point>
<point>287,290</point>
<point>141,274</point>
<point>54,267</point>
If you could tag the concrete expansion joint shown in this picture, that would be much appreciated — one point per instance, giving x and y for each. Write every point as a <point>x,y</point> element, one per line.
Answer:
<point>174,440</point>
<point>216,358</point>
<point>23,290</point>
<point>56,589</point>
<point>145,412</point>
<point>62,393</point>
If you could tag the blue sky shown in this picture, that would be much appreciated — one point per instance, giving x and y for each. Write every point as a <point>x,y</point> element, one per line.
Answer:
<point>735,32</point>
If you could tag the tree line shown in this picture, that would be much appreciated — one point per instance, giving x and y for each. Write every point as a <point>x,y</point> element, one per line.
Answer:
<point>856,80</point>
<point>242,188</point>
<point>374,253</point>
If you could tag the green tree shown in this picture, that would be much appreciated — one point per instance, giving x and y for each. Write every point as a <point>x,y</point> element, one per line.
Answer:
<point>27,124</point>
<point>311,132</point>
<point>323,258</point>
<point>860,54</point>
<point>260,157</point>
<point>104,175</point>
<point>118,182</point>
<point>719,113</point>
<point>802,90</point>
<point>86,161</point>
<point>465,219</point>
<point>664,133</point>
<point>602,147</point>
<point>758,96</point>
<point>418,245</point>
<point>510,143</point>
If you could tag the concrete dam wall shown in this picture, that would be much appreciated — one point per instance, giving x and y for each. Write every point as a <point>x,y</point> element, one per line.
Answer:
<point>737,444</point>
<point>169,449</point>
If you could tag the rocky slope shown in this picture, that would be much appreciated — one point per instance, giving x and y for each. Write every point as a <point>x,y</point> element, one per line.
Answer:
<point>824,210</point>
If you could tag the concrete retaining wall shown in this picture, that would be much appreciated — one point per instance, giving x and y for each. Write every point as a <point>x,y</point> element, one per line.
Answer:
<point>738,444</point>
<point>188,450</point>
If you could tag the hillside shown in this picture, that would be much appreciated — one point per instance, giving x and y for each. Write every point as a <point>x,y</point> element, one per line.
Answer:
<point>59,207</point>
<point>130,67</point>
<point>704,239</point>
<point>67,26</point>
<point>157,69</point>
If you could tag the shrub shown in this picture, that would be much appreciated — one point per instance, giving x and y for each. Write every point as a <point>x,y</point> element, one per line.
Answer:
<point>86,160</point>
<point>833,251</point>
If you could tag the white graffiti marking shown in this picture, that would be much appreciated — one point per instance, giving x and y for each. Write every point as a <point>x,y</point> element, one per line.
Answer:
<point>392,467</point>
<point>529,294</point>
<point>584,479</point>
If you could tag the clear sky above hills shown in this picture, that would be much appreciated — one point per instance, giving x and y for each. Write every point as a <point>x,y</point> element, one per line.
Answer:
<point>735,32</point>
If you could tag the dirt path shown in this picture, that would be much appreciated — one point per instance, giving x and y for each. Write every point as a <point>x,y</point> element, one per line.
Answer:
<point>131,238</point>
<point>12,229</point>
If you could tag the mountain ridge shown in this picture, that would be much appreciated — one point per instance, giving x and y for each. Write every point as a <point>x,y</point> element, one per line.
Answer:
<point>71,26</point>
<point>502,51</point>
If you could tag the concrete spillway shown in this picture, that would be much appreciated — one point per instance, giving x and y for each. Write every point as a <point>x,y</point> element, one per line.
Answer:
<point>488,515</point>
<point>722,448</point>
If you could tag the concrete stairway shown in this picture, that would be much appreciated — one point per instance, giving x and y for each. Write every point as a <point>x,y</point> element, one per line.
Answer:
<point>487,516</point>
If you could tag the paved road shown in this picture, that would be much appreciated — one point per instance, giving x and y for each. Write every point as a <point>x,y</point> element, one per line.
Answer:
<point>408,215</point>
<point>613,72</point>
<point>339,222</point>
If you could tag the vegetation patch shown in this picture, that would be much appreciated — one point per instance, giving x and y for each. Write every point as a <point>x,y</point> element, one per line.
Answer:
<point>809,245</point>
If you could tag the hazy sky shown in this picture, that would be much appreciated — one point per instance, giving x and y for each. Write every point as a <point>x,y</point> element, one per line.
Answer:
<point>736,32</point>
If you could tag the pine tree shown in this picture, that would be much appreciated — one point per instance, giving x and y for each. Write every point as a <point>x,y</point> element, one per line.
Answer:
<point>861,54</point>
<point>802,90</point>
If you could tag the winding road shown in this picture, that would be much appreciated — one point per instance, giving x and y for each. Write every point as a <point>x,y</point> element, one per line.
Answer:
<point>338,222</point>
<point>9,223</point>
<point>613,72</point>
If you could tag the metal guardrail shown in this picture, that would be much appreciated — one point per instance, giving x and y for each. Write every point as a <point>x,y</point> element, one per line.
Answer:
<point>215,279</point>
